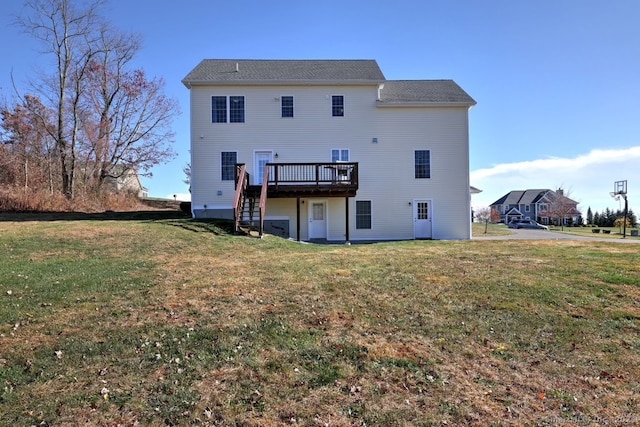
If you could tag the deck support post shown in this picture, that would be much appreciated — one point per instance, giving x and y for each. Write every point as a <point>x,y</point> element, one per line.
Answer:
<point>346,220</point>
<point>298,218</point>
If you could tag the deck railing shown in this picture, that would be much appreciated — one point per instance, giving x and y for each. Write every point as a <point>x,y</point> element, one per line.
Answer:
<point>318,174</point>
<point>242,183</point>
<point>263,200</point>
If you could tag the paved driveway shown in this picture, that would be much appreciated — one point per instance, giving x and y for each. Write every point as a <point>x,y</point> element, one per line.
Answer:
<point>527,234</point>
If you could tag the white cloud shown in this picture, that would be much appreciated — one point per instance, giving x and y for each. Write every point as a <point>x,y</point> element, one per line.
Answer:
<point>588,178</point>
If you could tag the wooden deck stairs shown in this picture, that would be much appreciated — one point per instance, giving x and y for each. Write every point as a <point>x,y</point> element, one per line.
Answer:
<point>249,204</point>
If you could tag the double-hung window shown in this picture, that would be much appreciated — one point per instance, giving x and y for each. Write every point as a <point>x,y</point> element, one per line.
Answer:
<point>219,109</point>
<point>227,109</point>
<point>363,214</point>
<point>286,103</point>
<point>337,105</point>
<point>236,109</point>
<point>422,164</point>
<point>339,155</point>
<point>228,165</point>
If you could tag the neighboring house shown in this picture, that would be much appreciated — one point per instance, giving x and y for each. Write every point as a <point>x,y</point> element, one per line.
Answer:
<point>543,205</point>
<point>350,156</point>
<point>123,179</point>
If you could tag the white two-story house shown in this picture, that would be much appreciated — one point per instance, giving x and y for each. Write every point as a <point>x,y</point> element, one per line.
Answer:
<point>330,150</point>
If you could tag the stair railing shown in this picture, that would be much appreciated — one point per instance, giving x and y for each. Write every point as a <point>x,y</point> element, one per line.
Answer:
<point>242,183</point>
<point>263,200</point>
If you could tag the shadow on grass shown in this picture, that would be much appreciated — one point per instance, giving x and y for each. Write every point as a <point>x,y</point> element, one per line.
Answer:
<point>218,227</point>
<point>169,217</point>
<point>101,216</point>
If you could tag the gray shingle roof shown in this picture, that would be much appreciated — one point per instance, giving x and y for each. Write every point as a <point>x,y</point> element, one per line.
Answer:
<point>424,91</point>
<point>526,197</point>
<point>244,70</point>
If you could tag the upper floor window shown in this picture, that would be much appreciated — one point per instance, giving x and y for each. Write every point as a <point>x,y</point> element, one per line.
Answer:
<point>219,109</point>
<point>236,109</point>
<point>227,109</point>
<point>527,208</point>
<point>337,106</point>
<point>228,165</point>
<point>422,164</point>
<point>339,155</point>
<point>286,103</point>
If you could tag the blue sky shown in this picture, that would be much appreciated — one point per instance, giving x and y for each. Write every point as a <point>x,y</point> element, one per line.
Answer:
<point>557,81</point>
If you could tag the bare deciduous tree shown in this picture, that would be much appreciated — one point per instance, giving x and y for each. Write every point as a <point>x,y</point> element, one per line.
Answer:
<point>109,119</point>
<point>67,36</point>
<point>128,117</point>
<point>28,148</point>
<point>561,206</point>
<point>484,215</point>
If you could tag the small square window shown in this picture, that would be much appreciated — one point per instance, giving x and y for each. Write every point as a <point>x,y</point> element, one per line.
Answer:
<point>337,106</point>
<point>287,106</point>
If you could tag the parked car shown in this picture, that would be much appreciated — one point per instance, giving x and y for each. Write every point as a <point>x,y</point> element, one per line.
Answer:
<point>528,223</point>
<point>512,223</point>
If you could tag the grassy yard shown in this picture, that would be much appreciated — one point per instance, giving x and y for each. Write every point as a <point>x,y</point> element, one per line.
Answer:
<point>175,322</point>
<point>602,232</point>
<point>479,229</point>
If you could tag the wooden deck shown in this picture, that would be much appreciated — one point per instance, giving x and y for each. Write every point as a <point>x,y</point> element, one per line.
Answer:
<point>291,180</point>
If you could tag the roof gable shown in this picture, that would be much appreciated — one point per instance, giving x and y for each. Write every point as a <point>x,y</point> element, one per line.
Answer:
<point>220,71</point>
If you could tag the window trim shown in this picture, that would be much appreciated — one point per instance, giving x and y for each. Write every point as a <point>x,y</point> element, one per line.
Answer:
<point>230,115</point>
<point>239,116</point>
<point>219,108</point>
<point>282,107</point>
<point>426,165</point>
<point>340,152</point>
<point>334,111</point>
<point>224,168</point>
<point>366,216</point>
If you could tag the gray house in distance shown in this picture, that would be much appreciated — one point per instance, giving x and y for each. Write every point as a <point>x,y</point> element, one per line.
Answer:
<point>541,205</point>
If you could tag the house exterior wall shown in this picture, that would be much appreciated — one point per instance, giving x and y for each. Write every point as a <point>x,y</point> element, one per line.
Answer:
<point>386,167</point>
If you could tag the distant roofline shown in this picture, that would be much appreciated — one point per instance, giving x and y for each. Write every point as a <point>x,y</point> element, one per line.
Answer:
<point>287,82</point>
<point>392,104</point>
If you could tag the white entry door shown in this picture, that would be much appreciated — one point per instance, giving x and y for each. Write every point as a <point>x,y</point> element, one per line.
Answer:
<point>260,159</point>
<point>317,220</point>
<point>422,219</point>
